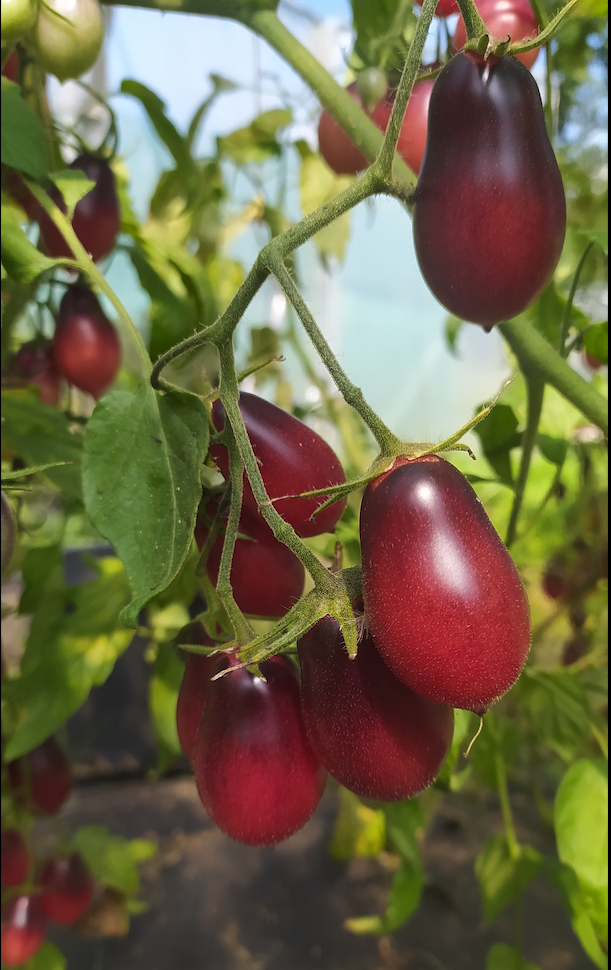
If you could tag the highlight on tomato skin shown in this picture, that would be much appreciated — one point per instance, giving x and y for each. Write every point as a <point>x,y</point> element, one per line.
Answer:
<point>23,929</point>
<point>504,18</point>
<point>86,347</point>
<point>443,600</point>
<point>67,887</point>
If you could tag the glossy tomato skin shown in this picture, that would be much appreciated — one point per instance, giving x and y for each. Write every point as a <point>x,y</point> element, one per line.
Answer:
<point>24,926</point>
<point>15,858</point>
<point>42,779</point>
<point>443,599</point>
<point>266,577</point>
<point>11,67</point>
<point>255,771</point>
<point>193,689</point>
<point>34,361</point>
<point>86,347</point>
<point>372,733</point>
<point>503,18</point>
<point>445,8</point>
<point>97,216</point>
<point>490,211</point>
<point>292,459</point>
<point>69,44</point>
<point>337,148</point>
<point>67,888</point>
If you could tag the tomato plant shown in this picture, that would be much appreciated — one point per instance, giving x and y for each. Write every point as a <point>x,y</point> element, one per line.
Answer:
<point>18,16</point>
<point>86,349</point>
<point>42,779</point>
<point>34,361</point>
<point>66,888</point>
<point>67,36</point>
<point>23,929</point>
<point>513,18</point>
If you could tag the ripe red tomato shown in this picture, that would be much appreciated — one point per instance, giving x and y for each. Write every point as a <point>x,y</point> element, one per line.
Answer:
<point>371,732</point>
<point>443,599</point>
<point>34,361</point>
<point>412,139</point>
<point>255,771</point>
<point>23,929</point>
<point>67,888</point>
<point>489,213</point>
<point>337,148</point>
<point>97,217</point>
<point>445,8</point>
<point>86,347</point>
<point>513,18</point>
<point>42,779</point>
<point>15,858</point>
<point>292,458</point>
<point>11,67</point>
<point>192,693</point>
<point>266,577</point>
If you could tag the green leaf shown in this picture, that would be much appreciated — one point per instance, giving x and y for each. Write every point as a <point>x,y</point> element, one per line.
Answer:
<point>20,257</point>
<point>42,435</point>
<point>503,878</point>
<point>75,639</point>
<point>503,957</point>
<point>32,470</point>
<point>257,142</point>
<point>553,449</point>
<point>596,341</point>
<point>453,326</point>
<point>404,822</point>
<point>155,108</point>
<point>73,185</point>
<point>319,184</point>
<point>558,709</point>
<point>498,434</point>
<point>47,958</point>
<point>581,822</point>
<point>359,830</point>
<point>405,894</point>
<point>163,694</point>
<point>113,860</point>
<point>564,879</point>
<point>23,136</point>
<point>141,462</point>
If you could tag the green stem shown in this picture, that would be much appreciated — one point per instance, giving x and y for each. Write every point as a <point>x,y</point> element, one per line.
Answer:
<point>537,358</point>
<point>474,24</point>
<point>535,389</point>
<point>503,791</point>
<point>352,394</point>
<point>566,320</point>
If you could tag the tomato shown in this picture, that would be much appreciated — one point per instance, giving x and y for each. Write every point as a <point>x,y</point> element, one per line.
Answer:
<point>42,779</point>
<point>489,214</point>
<point>13,184</point>
<point>68,45</point>
<point>266,577</point>
<point>24,926</point>
<point>445,8</point>
<point>11,68</point>
<point>15,858</point>
<point>575,648</point>
<point>591,361</point>
<point>292,458</point>
<point>97,217</point>
<point>255,771</point>
<point>86,347</point>
<point>556,581</point>
<point>371,86</point>
<point>412,139</point>
<point>18,16</point>
<point>503,18</point>
<point>443,600</point>
<point>67,888</point>
<point>371,732</point>
<point>9,533</point>
<point>34,361</point>
<point>192,693</point>
<point>337,148</point>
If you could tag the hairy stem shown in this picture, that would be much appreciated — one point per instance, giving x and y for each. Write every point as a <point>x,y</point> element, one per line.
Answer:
<point>473,22</point>
<point>535,389</point>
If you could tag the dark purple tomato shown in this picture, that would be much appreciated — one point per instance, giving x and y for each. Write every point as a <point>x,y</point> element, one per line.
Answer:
<point>42,779</point>
<point>255,771</point>
<point>15,858</point>
<point>556,581</point>
<point>443,599</point>
<point>34,361</point>
<point>337,148</point>
<point>86,346</point>
<point>292,459</point>
<point>504,18</point>
<point>192,693</point>
<point>371,732</point>
<point>9,533</point>
<point>266,577</point>
<point>24,926</point>
<point>489,212</point>
<point>66,887</point>
<point>97,217</point>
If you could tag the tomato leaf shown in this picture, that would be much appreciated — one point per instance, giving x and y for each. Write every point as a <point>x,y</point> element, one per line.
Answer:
<point>164,685</point>
<point>359,830</point>
<point>73,185</point>
<point>113,860</point>
<point>142,456</point>
<point>319,184</point>
<point>503,957</point>
<point>404,822</point>
<point>553,449</point>
<point>558,709</point>
<point>20,257</point>
<point>498,433</point>
<point>168,133</point>
<point>565,880</point>
<point>581,820</point>
<point>23,137</point>
<point>503,878</point>
<point>404,897</point>
<point>47,958</point>
<point>258,140</point>
<point>596,342</point>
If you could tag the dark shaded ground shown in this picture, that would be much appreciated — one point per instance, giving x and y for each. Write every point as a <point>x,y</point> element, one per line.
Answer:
<point>217,905</point>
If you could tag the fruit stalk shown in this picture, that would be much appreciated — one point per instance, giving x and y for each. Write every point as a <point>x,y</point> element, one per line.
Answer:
<point>471,16</point>
<point>535,389</point>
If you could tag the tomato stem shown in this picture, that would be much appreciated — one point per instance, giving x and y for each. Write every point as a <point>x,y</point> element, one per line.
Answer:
<point>535,389</point>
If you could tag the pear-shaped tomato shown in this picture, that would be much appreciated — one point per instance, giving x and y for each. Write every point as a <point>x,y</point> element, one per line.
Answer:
<point>86,346</point>
<point>23,929</point>
<point>371,732</point>
<point>42,779</point>
<point>34,361</point>
<point>504,18</point>
<point>443,599</point>
<point>193,689</point>
<point>266,577</point>
<point>67,888</point>
<point>292,459</point>
<point>490,212</point>
<point>256,773</point>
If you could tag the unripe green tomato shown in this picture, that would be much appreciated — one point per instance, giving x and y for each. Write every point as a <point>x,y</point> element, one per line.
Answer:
<point>9,533</point>
<point>372,86</point>
<point>65,49</point>
<point>18,16</point>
